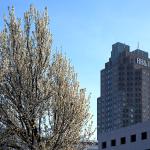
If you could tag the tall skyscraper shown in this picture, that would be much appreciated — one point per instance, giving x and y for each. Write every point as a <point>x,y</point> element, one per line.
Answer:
<point>125,89</point>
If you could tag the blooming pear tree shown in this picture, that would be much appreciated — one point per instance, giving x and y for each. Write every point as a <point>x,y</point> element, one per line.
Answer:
<point>41,104</point>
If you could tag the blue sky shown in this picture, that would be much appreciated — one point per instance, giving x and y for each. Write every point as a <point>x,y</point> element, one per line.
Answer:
<point>86,29</point>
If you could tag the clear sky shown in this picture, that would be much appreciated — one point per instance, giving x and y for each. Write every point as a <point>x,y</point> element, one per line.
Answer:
<point>86,29</point>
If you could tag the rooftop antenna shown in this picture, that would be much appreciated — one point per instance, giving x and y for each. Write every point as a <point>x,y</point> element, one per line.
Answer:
<point>138,45</point>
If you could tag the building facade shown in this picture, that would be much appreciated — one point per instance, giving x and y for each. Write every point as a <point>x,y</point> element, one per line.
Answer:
<point>125,89</point>
<point>135,137</point>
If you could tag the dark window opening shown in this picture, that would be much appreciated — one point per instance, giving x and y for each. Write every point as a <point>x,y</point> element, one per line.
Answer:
<point>113,142</point>
<point>144,135</point>
<point>133,138</point>
<point>104,145</point>
<point>123,140</point>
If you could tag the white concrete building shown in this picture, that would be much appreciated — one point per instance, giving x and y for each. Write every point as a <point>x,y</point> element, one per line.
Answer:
<point>135,137</point>
<point>90,145</point>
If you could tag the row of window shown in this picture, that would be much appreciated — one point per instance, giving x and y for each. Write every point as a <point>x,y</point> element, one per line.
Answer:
<point>123,78</point>
<point>133,138</point>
